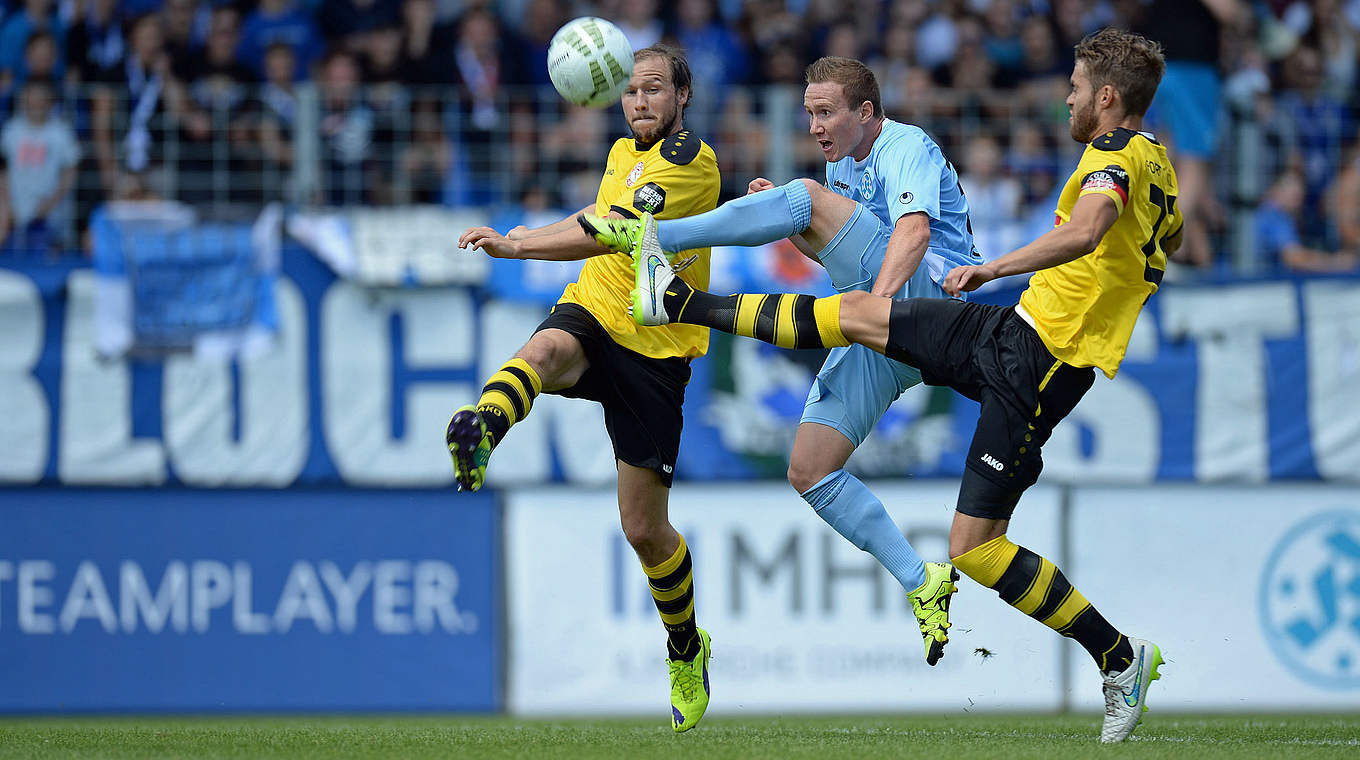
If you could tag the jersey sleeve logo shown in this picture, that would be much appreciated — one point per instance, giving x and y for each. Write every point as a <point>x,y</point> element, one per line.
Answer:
<point>1112,177</point>
<point>633,175</point>
<point>650,198</point>
<point>866,184</point>
<point>906,198</point>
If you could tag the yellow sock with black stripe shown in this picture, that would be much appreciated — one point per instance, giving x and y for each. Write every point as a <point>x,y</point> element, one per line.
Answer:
<point>1036,587</point>
<point>787,320</point>
<point>672,586</point>
<point>507,397</point>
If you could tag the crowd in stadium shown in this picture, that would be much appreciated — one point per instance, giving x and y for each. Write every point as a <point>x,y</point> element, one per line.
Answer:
<point>448,101</point>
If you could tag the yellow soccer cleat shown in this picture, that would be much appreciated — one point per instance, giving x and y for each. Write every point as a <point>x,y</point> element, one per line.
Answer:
<point>689,687</point>
<point>470,447</point>
<point>930,602</point>
<point>617,235</point>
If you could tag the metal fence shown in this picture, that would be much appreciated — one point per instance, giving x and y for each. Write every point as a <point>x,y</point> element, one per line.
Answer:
<point>229,149</point>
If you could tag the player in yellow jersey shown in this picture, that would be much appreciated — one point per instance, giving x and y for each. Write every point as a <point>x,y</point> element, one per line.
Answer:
<point>589,348</point>
<point>1027,365</point>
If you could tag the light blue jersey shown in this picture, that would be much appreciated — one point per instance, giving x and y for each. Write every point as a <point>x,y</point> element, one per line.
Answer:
<point>905,172</point>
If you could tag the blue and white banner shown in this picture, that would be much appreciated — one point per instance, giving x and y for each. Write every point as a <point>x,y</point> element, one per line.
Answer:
<point>1239,382</point>
<point>166,281</point>
<point>173,599</point>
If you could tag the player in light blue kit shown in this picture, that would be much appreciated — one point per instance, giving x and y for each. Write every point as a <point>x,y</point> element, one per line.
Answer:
<point>891,220</point>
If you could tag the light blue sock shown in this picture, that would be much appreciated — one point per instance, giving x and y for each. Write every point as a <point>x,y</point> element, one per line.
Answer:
<point>846,505</point>
<point>754,219</point>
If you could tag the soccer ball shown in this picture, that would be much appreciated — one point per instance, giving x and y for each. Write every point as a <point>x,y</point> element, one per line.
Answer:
<point>590,62</point>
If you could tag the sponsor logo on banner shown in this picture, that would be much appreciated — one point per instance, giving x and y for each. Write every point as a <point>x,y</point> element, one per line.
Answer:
<point>1310,600</point>
<point>800,619</point>
<point>185,600</point>
<point>398,597</point>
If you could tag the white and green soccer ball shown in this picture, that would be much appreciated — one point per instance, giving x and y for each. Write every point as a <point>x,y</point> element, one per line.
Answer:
<point>590,62</point>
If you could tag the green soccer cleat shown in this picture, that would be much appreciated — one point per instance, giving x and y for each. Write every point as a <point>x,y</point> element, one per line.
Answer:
<point>618,235</point>
<point>470,447</point>
<point>930,602</point>
<point>689,687</point>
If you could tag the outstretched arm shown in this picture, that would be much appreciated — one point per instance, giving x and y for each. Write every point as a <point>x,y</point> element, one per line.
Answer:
<point>521,232</point>
<point>1092,217</point>
<point>558,241</point>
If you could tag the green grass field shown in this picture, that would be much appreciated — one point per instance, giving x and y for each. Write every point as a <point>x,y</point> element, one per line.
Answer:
<point>947,738</point>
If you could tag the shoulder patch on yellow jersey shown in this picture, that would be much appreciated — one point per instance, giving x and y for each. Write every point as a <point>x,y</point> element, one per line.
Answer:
<point>681,147</point>
<point>1115,139</point>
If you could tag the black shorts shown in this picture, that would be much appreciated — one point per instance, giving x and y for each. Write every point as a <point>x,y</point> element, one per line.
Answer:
<point>991,355</point>
<point>641,396</point>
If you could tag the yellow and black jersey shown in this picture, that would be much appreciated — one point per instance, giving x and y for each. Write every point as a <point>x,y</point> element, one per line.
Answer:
<point>1084,310</point>
<point>675,177</point>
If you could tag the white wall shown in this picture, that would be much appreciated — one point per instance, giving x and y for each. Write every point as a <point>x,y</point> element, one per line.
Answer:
<point>1229,581</point>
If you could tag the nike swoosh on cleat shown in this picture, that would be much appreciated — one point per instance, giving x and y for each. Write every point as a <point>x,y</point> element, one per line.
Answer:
<point>652,266</point>
<point>1131,698</point>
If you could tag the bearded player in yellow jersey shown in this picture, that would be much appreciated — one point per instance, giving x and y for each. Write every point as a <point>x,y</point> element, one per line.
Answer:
<point>589,348</point>
<point>1027,365</point>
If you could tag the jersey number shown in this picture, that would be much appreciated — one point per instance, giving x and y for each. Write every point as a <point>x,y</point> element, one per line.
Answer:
<point>1166,205</point>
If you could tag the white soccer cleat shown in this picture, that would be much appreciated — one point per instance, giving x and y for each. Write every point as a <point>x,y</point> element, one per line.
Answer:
<point>654,275</point>
<point>1126,692</point>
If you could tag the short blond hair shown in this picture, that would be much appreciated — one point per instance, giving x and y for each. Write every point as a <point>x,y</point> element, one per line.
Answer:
<point>856,80</point>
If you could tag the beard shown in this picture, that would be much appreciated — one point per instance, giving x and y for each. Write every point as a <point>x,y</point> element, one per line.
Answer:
<point>1083,125</point>
<point>662,127</point>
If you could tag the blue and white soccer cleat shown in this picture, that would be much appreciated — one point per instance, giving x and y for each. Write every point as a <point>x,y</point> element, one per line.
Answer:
<point>1126,692</point>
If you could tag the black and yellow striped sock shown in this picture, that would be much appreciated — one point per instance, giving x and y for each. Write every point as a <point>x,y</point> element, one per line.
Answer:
<point>1036,587</point>
<point>507,397</point>
<point>787,320</point>
<point>672,585</point>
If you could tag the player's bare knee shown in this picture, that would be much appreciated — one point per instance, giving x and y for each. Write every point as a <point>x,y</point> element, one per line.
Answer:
<point>542,355</point>
<point>814,188</point>
<point>646,536</point>
<point>804,473</point>
<point>553,354</point>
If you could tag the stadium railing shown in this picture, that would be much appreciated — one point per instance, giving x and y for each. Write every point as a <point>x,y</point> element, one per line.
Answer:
<point>227,152</point>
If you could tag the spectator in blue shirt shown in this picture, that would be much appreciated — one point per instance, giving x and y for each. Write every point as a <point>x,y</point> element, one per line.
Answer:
<point>1277,232</point>
<point>279,21</point>
<point>1320,126</point>
<point>36,15</point>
